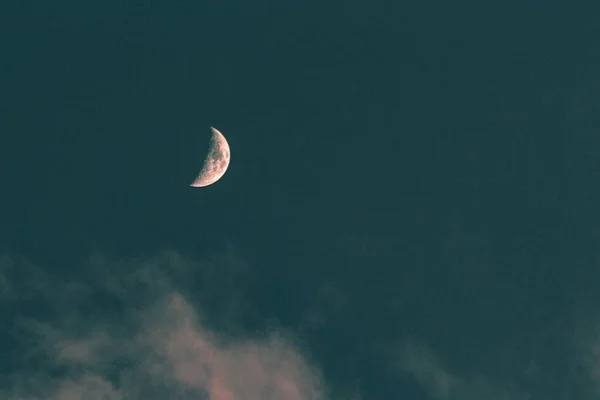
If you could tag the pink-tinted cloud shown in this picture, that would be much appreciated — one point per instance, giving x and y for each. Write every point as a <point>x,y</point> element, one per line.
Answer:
<point>155,345</point>
<point>267,368</point>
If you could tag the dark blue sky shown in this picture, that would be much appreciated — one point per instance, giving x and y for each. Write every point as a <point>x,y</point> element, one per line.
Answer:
<point>411,205</point>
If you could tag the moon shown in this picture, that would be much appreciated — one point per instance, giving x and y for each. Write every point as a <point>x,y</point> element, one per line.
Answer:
<point>215,163</point>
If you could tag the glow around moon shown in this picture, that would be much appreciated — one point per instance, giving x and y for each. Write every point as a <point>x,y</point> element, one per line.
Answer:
<point>215,163</point>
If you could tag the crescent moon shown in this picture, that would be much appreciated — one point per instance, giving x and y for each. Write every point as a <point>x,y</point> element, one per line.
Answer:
<point>216,162</point>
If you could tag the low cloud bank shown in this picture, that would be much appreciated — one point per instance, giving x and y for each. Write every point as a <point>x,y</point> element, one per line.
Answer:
<point>132,330</point>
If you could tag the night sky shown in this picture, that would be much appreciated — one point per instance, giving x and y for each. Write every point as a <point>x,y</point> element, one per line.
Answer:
<point>411,210</point>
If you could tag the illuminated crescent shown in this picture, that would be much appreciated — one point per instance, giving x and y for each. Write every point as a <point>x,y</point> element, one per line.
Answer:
<point>215,163</point>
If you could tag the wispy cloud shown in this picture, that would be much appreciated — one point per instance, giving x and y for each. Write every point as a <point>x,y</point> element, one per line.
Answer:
<point>428,371</point>
<point>128,330</point>
<point>588,360</point>
<point>423,366</point>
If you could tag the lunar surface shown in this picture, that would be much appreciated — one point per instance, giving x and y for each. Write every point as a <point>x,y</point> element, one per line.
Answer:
<point>215,163</point>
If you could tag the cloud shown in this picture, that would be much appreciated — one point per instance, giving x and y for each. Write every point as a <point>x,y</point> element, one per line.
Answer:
<point>419,362</point>
<point>562,362</point>
<point>587,360</point>
<point>132,329</point>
